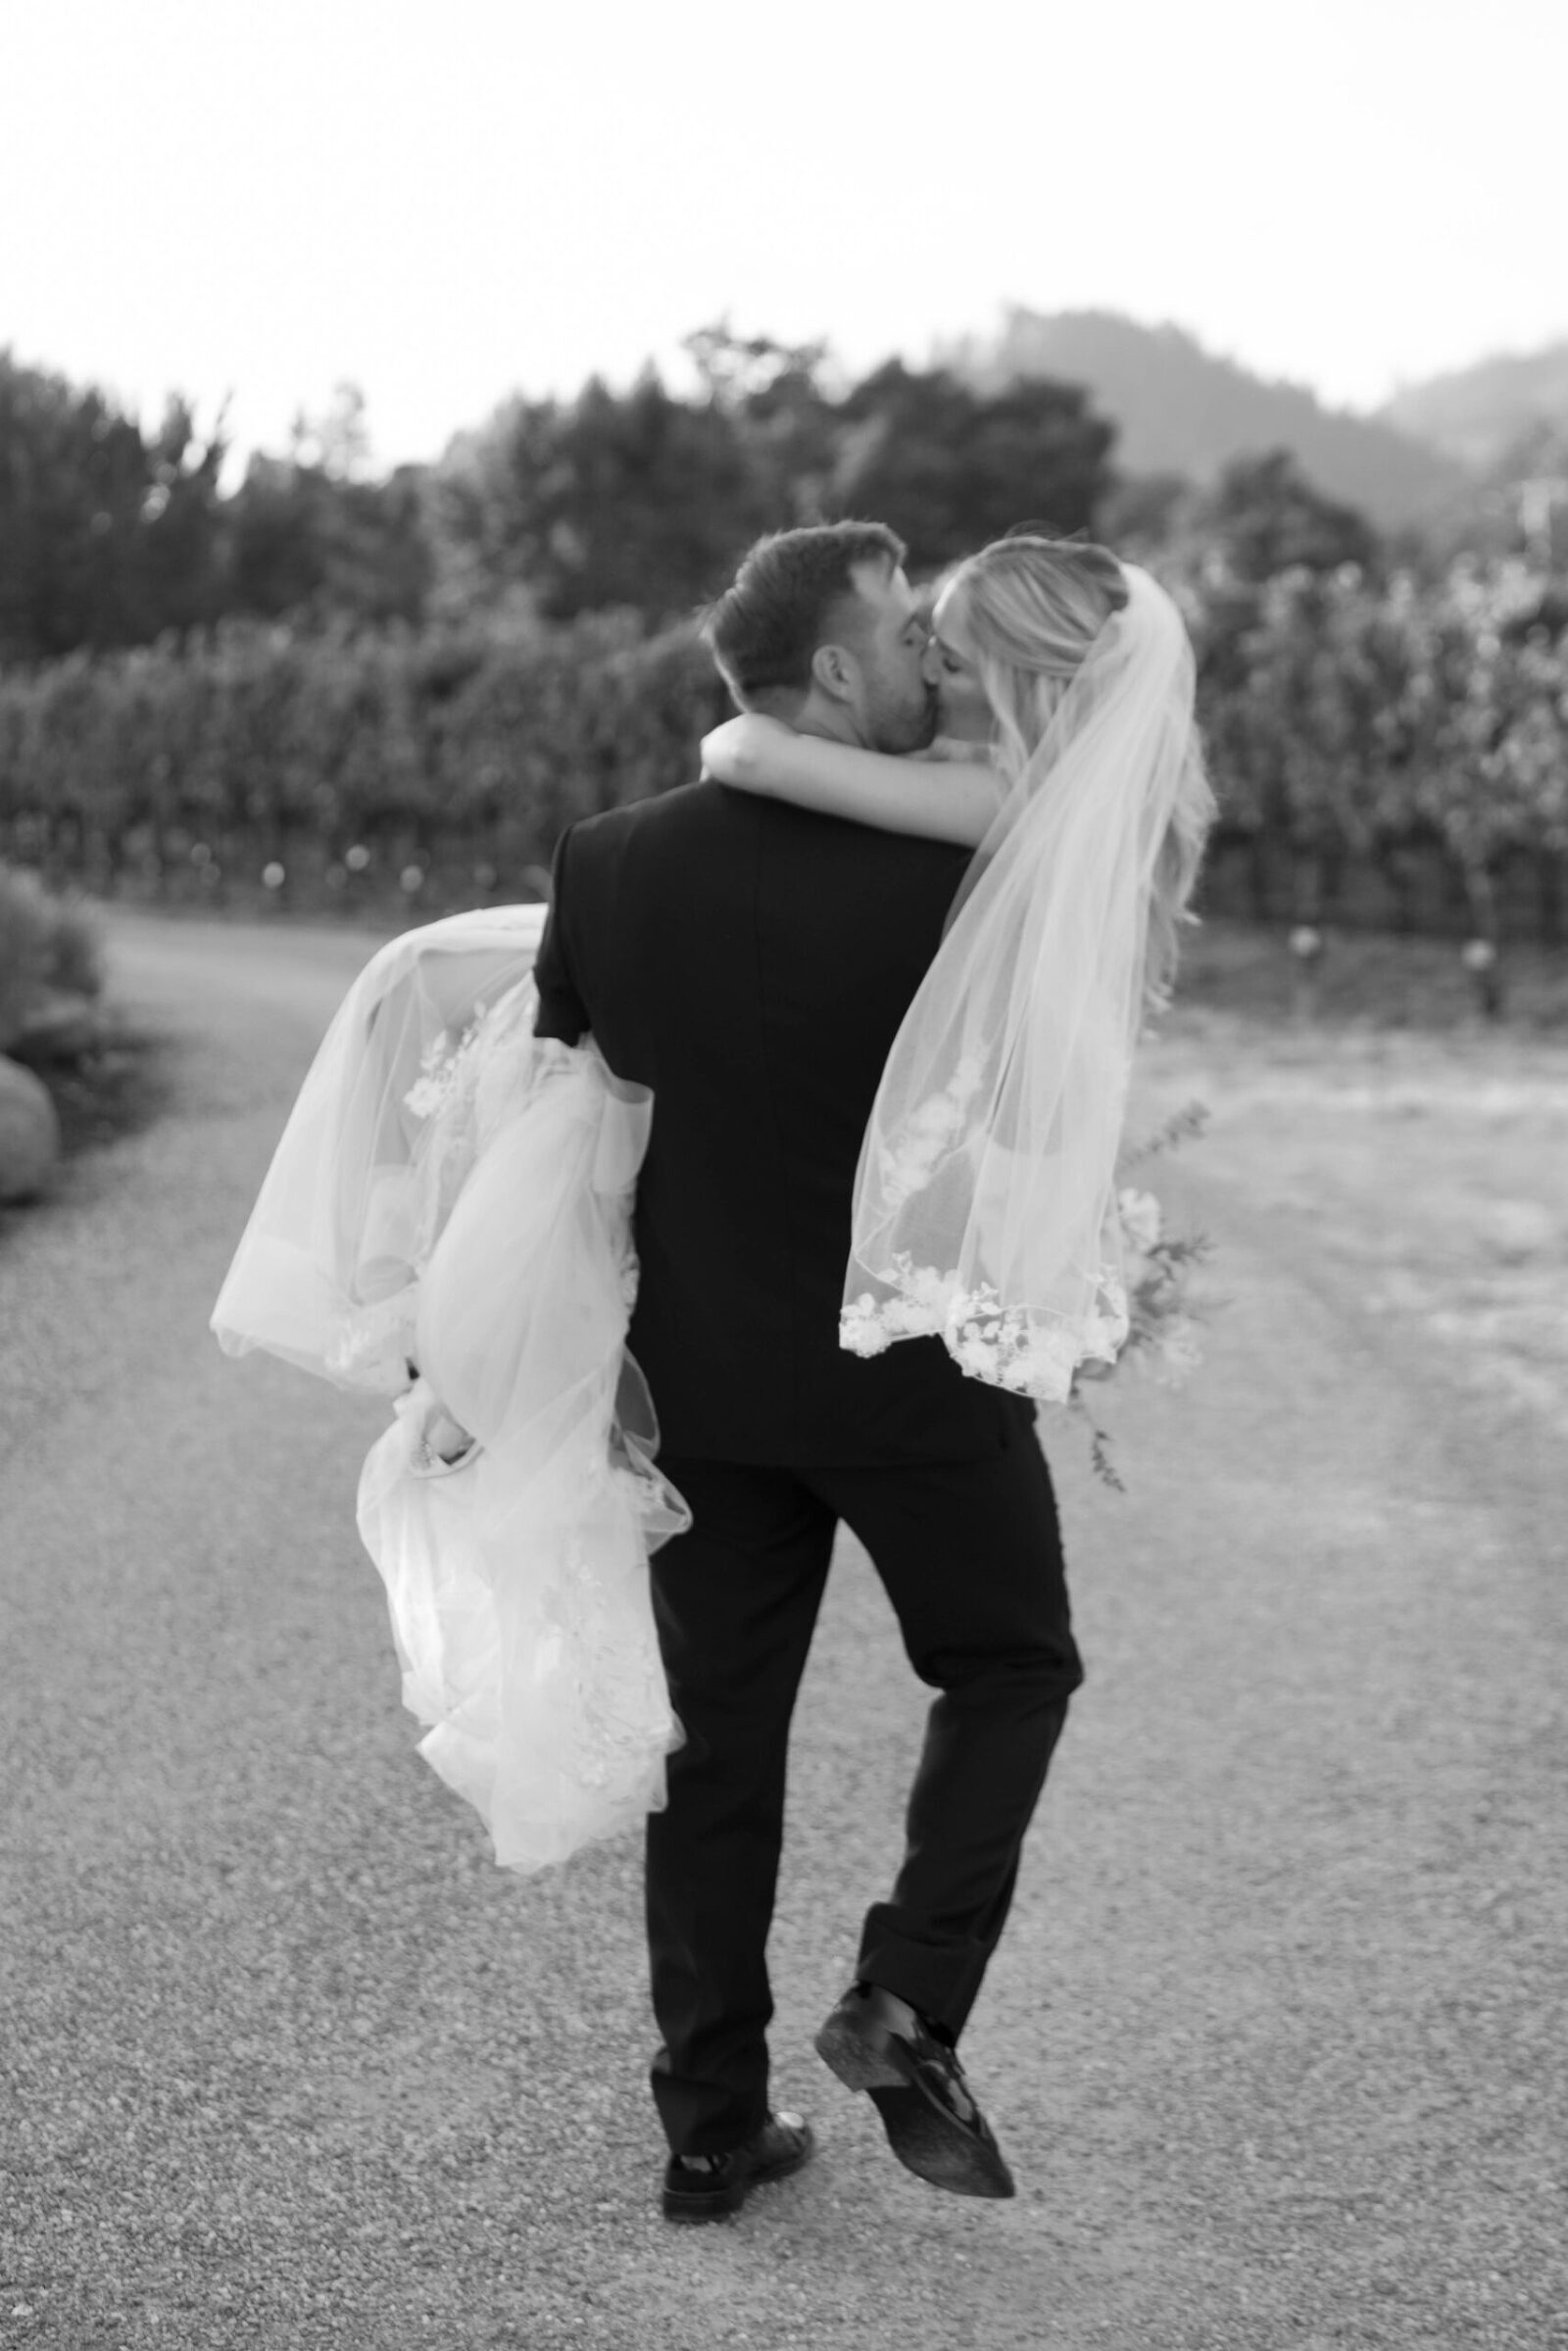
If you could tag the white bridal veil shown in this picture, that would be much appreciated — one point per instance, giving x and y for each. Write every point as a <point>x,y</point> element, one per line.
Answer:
<point>983,1205</point>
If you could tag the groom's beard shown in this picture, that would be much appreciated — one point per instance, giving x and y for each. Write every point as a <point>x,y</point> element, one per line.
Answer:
<point>908,729</point>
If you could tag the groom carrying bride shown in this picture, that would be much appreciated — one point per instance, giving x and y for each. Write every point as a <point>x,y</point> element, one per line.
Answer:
<point>751,962</point>
<point>862,1096</point>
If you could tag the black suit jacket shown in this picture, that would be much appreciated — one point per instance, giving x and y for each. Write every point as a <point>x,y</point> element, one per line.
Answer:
<point>750,963</point>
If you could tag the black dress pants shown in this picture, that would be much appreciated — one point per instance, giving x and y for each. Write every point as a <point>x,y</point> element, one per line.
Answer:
<point>970,1554</point>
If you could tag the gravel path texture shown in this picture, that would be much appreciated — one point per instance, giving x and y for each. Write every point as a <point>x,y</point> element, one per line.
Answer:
<point>1276,2042</point>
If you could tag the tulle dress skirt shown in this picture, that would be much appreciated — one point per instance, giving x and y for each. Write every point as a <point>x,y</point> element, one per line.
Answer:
<point>448,1221</point>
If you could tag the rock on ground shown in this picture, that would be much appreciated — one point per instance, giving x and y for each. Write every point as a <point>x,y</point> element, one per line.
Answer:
<point>29,1133</point>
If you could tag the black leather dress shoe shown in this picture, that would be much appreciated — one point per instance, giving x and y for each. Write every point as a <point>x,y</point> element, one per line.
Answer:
<point>916,2084</point>
<point>709,2187</point>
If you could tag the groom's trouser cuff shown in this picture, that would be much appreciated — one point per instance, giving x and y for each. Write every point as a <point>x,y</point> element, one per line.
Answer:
<point>901,1945</point>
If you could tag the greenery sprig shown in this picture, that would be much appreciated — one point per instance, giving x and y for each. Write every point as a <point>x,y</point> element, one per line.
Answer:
<point>1163,1321</point>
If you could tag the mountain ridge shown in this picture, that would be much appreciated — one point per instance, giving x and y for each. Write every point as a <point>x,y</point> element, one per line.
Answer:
<point>1182,408</point>
<point>1480,413</point>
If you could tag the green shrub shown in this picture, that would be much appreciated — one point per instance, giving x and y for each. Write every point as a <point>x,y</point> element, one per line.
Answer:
<point>188,771</point>
<point>1359,731</point>
<point>48,947</point>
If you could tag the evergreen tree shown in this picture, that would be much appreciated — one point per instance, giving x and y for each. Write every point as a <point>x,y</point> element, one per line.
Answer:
<point>949,468</point>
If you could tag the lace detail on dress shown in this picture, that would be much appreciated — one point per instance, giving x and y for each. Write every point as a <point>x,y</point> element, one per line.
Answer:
<point>1032,1353</point>
<point>456,1099</point>
<point>462,1090</point>
<point>611,1708</point>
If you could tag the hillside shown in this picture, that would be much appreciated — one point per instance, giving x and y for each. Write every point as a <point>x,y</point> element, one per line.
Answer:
<point>1182,409</point>
<point>1478,415</point>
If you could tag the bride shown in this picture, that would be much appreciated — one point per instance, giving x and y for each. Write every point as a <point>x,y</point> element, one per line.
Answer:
<point>984,1203</point>
<point>447,1220</point>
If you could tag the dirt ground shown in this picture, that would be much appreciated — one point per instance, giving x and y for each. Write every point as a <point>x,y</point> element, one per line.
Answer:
<point>1276,2039</point>
<point>1429,1168</point>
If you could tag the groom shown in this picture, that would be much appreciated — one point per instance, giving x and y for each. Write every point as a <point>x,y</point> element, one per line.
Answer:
<point>751,962</point>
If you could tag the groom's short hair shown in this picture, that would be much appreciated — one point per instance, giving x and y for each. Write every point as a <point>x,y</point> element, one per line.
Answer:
<point>786,599</point>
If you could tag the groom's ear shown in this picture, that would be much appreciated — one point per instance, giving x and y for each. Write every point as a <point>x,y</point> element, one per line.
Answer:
<point>836,671</point>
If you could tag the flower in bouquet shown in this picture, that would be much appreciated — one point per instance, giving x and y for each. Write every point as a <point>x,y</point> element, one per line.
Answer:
<point>1163,1321</point>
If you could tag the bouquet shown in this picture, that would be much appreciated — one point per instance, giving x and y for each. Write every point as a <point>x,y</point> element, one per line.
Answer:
<point>1162,1335</point>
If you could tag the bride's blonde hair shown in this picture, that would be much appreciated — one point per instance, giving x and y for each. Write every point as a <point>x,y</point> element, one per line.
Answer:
<point>1025,612</point>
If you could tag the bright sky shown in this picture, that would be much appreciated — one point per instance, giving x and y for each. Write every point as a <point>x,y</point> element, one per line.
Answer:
<point>259,198</point>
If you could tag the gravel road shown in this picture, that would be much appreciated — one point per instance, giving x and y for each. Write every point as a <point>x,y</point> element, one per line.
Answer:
<point>1276,2042</point>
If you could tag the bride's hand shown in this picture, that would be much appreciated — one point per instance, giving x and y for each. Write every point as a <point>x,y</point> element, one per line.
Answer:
<point>445,1441</point>
<point>739,752</point>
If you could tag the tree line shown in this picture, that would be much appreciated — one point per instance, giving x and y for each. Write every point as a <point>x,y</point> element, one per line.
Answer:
<point>638,500</point>
<point>349,684</point>
<point>1355,726</point>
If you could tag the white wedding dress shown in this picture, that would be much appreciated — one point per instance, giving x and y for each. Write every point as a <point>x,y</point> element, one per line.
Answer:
<point>453,1193</point>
